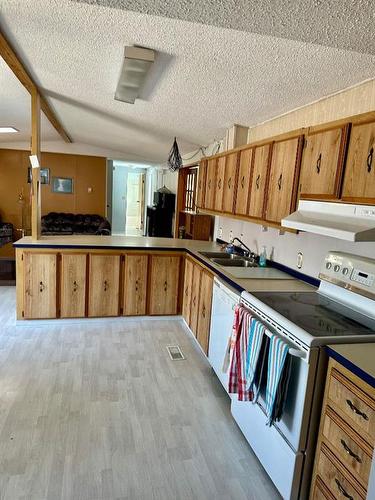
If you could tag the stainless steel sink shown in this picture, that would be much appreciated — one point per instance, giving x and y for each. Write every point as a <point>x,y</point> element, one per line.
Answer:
<point>238,262</point>
<point>220,255</point>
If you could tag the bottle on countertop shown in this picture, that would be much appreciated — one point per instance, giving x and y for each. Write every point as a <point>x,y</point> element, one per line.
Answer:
<point>263,257</point>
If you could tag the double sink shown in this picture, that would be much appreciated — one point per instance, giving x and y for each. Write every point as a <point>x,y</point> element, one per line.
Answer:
<point>229,260</point>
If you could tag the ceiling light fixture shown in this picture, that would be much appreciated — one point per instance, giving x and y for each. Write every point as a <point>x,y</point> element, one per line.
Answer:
<point>8,130</point>
<point>136,64</point>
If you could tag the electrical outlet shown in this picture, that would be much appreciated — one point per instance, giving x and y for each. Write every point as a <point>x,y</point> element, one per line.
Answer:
<point>220,232</point>
<point>299,260</point>
<point>230,235</point>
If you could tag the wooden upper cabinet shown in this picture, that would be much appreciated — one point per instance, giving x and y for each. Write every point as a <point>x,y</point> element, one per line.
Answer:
<point>186,299</point>
<point>104,285</point>
<point>322,163</point>
<point>243,182</point>
<point>40,292</point>
<point>219,185</point>
<point>201,184</point>
<point>259,177</point>
<point>230,181</point>
<point>135,285</point>
<point>359,177</point>
<point>209,199</point>
<point>164,284</point>
<point>204,310</point>
<point>283,179</point>
<point>73,285</point>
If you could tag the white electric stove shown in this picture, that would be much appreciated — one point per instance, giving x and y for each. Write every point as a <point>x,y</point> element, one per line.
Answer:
<point>341,311</point>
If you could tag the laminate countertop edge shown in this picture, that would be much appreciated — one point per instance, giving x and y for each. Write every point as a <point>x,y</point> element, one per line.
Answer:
<point>357,358</point>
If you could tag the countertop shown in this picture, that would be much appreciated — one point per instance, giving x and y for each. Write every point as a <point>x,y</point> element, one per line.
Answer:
<point>192,247</point>
<point>358,358</point>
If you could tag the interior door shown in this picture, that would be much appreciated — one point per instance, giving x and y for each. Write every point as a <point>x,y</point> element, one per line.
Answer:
<point>243,183</point>
<point>259,178</point>
<point>282,186</point>
<point>135,204</point>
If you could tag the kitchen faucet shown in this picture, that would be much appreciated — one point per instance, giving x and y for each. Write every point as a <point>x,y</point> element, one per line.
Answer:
<point>248,253</point>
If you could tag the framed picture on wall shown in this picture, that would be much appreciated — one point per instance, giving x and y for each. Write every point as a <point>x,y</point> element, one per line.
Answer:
<point>44,175</point>
<point>62,185</point>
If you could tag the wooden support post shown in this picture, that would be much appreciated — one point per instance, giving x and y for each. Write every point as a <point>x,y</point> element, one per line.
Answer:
<point>35,150</point>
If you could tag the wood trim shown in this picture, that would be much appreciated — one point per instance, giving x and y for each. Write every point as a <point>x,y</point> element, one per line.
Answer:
<point>36,216</point>
<point>268,175</point>
<point>14,62</point>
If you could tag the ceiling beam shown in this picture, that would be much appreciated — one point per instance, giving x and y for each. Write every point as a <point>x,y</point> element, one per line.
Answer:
<point>14,62</point>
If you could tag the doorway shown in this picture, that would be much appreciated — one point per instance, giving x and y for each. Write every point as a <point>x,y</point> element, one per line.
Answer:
<point>134,224</point>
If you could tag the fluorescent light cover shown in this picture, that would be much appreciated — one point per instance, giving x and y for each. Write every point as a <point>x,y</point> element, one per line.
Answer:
<point>8,130</point>
<point>136,64</point>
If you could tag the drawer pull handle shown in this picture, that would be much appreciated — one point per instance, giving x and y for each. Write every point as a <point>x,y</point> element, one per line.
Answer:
<point>41,286</point>
<point>318,163</point>
<point>350,452</point>
<point>106,285</point>
<point>356,410</point>
<point>342,490</point>
<point>75,286</point>
<point>369,160</point>
<point>257,181</point>
<point>165,286</point>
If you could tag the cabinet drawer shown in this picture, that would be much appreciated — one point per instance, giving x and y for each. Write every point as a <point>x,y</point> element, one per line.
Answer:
<point>334,477</point>
<point>347,447</point>
<point>321,491</point>
<point>355,405</point>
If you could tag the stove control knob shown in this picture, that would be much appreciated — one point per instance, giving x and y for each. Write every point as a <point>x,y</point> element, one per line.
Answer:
<point>336,268</point>
<point>328,265</point>
<point>345,271</point>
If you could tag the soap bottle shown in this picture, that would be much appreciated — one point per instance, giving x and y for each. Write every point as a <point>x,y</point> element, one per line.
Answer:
<point>263,257</point>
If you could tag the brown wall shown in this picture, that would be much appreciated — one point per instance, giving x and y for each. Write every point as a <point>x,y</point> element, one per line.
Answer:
<point>86,171</point>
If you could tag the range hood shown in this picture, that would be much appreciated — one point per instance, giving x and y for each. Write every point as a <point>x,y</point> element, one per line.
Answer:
<point>338,220</point>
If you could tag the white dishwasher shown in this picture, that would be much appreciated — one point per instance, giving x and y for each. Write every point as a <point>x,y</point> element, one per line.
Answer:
<point>223,304</point>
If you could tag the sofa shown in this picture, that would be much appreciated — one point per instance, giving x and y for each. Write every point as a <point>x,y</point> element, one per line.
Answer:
<point>59,223</point>
<point>6,233</point>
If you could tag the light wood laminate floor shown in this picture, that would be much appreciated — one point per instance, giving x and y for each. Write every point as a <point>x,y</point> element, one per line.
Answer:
<point>98,411</point>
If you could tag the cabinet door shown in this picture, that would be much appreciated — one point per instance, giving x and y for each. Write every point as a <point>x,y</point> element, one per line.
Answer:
<point>201,184</point>
<point>188,279</point>
<point>204,315</point>
<point>230,181</point>
<point>219,187</point>
<point>282,187</point>
<point>135,285</point>
<point>73,285</point>
<point>104,284</point>
<point>243,183</point>
<point>259,180</point>
<point>322,164</point>
<point>40,285</point>
<point>359,177</point>
<point>164,284</point>
<point>195,292</point>
<point>209,201</point>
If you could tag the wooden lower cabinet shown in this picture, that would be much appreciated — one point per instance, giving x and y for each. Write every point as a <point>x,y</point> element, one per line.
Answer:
<point>135,285</point>
<point>104,285</point>
<point>346,437</point>
<point>197,301</point>
<point>40,285</point>
<point>73,285</point>
<point>204,310</point>
<point>186,297</point>
<point>164,284</point>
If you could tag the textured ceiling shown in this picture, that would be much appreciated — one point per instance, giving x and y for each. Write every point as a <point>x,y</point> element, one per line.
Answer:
<point>205,79</point>
<point>346,24</point>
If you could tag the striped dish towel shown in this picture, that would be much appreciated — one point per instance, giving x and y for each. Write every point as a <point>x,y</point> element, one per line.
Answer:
<point>277,357</point>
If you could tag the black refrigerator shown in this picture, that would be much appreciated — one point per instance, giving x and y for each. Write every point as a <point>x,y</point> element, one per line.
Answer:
<point>160,216</point>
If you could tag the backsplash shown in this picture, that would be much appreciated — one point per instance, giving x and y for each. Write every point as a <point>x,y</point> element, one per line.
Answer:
<point>285,248</point>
